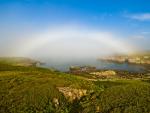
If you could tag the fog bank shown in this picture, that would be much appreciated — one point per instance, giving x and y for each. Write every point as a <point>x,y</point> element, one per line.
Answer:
<point>66,42</point>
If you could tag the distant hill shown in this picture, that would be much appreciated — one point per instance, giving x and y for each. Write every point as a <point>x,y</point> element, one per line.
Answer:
<point>18,61</point>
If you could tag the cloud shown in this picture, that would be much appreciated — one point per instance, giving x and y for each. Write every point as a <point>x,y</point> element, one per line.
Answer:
<point>139,16</point>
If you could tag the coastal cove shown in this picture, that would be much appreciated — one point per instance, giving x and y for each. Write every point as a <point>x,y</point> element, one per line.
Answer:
<point>64,65</point>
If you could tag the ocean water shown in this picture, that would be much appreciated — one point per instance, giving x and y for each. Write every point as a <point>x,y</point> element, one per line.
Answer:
<point>63,65</point>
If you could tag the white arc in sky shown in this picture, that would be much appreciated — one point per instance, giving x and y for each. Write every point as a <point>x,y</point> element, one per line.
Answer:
<point>72,41</point>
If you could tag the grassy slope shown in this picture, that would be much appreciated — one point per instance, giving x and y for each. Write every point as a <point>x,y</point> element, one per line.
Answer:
<point>32,89</point>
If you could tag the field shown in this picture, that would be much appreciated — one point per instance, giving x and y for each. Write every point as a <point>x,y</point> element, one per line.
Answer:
<point>29,89</point>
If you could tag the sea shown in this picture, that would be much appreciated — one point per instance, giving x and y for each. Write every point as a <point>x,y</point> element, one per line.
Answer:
<point>64,65</point>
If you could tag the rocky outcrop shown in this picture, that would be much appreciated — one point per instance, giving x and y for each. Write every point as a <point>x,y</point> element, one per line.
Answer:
<point>104,74</point>
<point>71,93</point>
<point>78,69</point>
<point>56,102</point>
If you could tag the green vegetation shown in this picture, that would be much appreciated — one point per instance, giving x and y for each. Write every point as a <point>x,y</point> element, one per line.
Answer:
<point>18,61</point>
<point>127,98</point>
<point>29,89</point>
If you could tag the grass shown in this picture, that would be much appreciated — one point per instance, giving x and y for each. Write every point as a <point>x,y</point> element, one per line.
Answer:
<point>126,97</point>
<point>29,89</point>
<point>32,89</point>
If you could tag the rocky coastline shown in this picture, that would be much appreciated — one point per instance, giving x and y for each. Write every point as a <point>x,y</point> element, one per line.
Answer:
<point>142,60</point>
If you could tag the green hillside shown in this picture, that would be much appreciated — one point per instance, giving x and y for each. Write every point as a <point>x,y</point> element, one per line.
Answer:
<point>30,89</point>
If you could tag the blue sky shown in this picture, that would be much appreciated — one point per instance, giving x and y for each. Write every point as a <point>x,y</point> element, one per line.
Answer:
<point>108,14</point>
<point>128,19</point>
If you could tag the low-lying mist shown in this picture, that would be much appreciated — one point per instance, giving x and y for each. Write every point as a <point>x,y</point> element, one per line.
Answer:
<point>66,43</point>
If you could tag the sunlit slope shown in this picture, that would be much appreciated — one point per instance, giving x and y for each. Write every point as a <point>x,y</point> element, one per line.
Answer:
<point>28,89</point>
<point>32,89</point>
